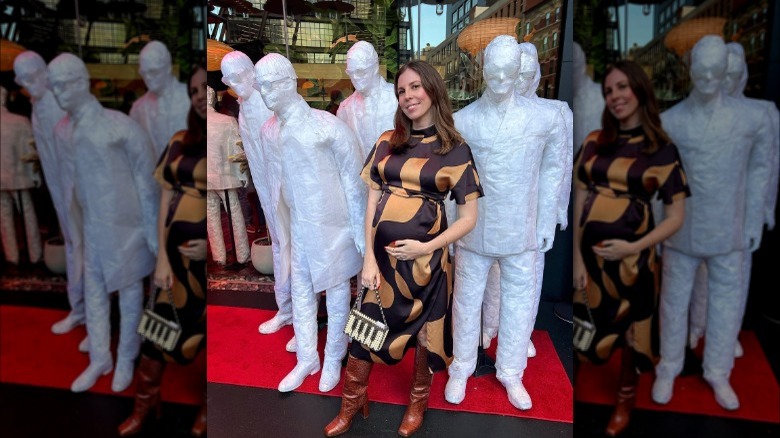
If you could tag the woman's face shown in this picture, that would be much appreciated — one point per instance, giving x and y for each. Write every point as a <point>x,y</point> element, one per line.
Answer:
<point>198,92</point>
<point>413,99</point>
<point>620,99</point>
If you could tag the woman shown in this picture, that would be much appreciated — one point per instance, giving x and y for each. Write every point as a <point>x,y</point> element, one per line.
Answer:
<point>618,170</point>
<point>410,171</point>
<point>181,258</point>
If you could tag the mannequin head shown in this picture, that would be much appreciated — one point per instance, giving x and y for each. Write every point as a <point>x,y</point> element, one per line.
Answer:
<point>69,81</point>
<point>502,67</point>
<point>363,67</point>
<point>709,58</point>
<point>736,70</point>
<point>530,71</point>
<point>30,71</point>
<point>276,80</point>
<point>155,66</point>
<point>238,73</point>
<point>579,61</point>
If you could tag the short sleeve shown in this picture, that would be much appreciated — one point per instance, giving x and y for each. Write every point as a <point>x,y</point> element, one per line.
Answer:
<point>370,173</point>
<point>464,179</point>
<point>675,185</point>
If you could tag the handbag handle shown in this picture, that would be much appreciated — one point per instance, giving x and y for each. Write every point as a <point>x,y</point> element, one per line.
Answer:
<point>153,298</point>
<point>587,306</point>
<point>359,300</point>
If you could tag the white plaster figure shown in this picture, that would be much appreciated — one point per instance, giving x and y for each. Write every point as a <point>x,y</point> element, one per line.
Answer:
<point>525,87</point>
<point>370,110</point>
<point>224,177</point>
<point>320,209</point>
<point>717,135</point>
<point>734,85</point>
<point>238,74</point>
<point>30,71</point>
<point>520,148</point>
<point>16,179</point>
<point>162,110</point>
<point>107,162</point>
<point>588,102</point>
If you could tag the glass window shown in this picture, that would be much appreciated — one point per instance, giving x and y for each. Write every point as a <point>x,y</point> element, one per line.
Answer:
<point>558,14</point>
<point>555,39</point>
<point>547,19</point>
<point>544,44</point>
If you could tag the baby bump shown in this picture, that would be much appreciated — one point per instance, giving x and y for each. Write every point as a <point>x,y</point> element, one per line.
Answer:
<point>398,217</point>
<point>607,217</point>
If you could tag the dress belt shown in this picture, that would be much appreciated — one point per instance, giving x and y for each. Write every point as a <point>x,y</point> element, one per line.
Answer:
<point>409,193</point>
<point>612,193</point>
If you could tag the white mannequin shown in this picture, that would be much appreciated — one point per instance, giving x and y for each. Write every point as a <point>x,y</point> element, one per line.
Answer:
<point>162,110</point>
<point>588,101</point>
<point>108,161</point>
<point>734,85</point>
<point>716,135</point>
<point>238,74</point>
<point>370,110</point>
<point>321,203</point>
<point>519,147</point>
<point>525,87</point>
<point>16,179</point>
<point>224,178</point>
<point>31,73</point>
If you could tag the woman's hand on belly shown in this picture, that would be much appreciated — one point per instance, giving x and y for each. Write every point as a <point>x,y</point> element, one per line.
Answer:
<point>614,249</point>
<point>407,249</point>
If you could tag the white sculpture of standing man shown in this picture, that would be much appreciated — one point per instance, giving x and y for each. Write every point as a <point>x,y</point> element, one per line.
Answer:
<point>317,159</point>
<point>525,88</point>
<point>238,74</point>
<point>519,145</point>
<point>716,135</point>
<point>31,73</point>
<point>108,161</point>
<point>734,85</point>
<point>588,101</point>
<point>224,177</point>
<point>370,110</point>
<point>162,110</point>
<point>16,179</point>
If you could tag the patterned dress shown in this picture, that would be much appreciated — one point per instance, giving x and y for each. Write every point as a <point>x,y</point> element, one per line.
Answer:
<point>184,172</point>
<point>415,293</point>
<point>621,183</point>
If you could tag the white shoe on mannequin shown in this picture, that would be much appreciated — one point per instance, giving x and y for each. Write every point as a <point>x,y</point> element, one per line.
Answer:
<point>84,345</point>
<point>123,375</point>
<point>295,378</point>
<point>455,391</point>
<point>291,346</point>
<point>66,324</point>
<point>331,374</point>
<point>516,392</point>
<point>90,375</point>
<point>274,324</point>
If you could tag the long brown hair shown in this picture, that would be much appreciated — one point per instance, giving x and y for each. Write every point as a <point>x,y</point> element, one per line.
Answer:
<point>648,110</point>
<point>196,126</point>
<point>440,105</point>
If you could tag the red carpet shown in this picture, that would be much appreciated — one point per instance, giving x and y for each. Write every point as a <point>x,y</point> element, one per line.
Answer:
<point>752,379</point>
<point>239,355</point>
<point>32,355</point>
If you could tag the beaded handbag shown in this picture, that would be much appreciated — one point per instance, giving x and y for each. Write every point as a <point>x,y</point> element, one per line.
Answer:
<point>162,332</point>
<point>363,328</point>
<point>584,331</point>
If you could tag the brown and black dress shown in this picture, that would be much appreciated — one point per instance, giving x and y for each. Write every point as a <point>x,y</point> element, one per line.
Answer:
<point>415,294</point>
<point>621,182</point>
<point>183,170</point>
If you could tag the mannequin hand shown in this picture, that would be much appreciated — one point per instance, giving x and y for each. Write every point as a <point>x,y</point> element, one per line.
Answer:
<point>407,249</point>
<point>614,249</point>
<point>163,276</point>
<point>754,243</point>
<point>369,276</point>
<point>194,249</point>
<point>544,243</point>
<point>580,280</point>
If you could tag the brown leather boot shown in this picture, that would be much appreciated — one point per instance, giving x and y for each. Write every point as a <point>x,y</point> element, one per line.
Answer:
<point>147,395</point>
<point>626,395</point>
<point>418,397</point>
<point>354,396</point>
<point>199,427</point>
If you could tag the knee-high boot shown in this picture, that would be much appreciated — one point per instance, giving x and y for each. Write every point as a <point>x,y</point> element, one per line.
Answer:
<point>354,396</point>
<point>147,395</point>
<point>418,397</point>
<point>626,395</point>
<point>199,427</point>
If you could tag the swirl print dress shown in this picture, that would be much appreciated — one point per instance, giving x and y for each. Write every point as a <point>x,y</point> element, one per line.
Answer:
<point>183,171</point>
<point>415,294</point>
<point>621,183</point>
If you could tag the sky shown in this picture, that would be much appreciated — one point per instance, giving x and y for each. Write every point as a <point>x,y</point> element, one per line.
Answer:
<point>432,27</point>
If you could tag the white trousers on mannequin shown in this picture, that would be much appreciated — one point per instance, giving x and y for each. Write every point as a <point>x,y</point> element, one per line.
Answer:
<point>724,311</point>
<point>9,202</point>
<point>214,224</point>
<point>516,310</point>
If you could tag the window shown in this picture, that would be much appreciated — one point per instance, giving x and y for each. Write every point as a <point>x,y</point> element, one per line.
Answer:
<point>558,14</point>
<point>555,39</point>
<point>547,19</point>
<point>527,28</point>
<point>544,44</point>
